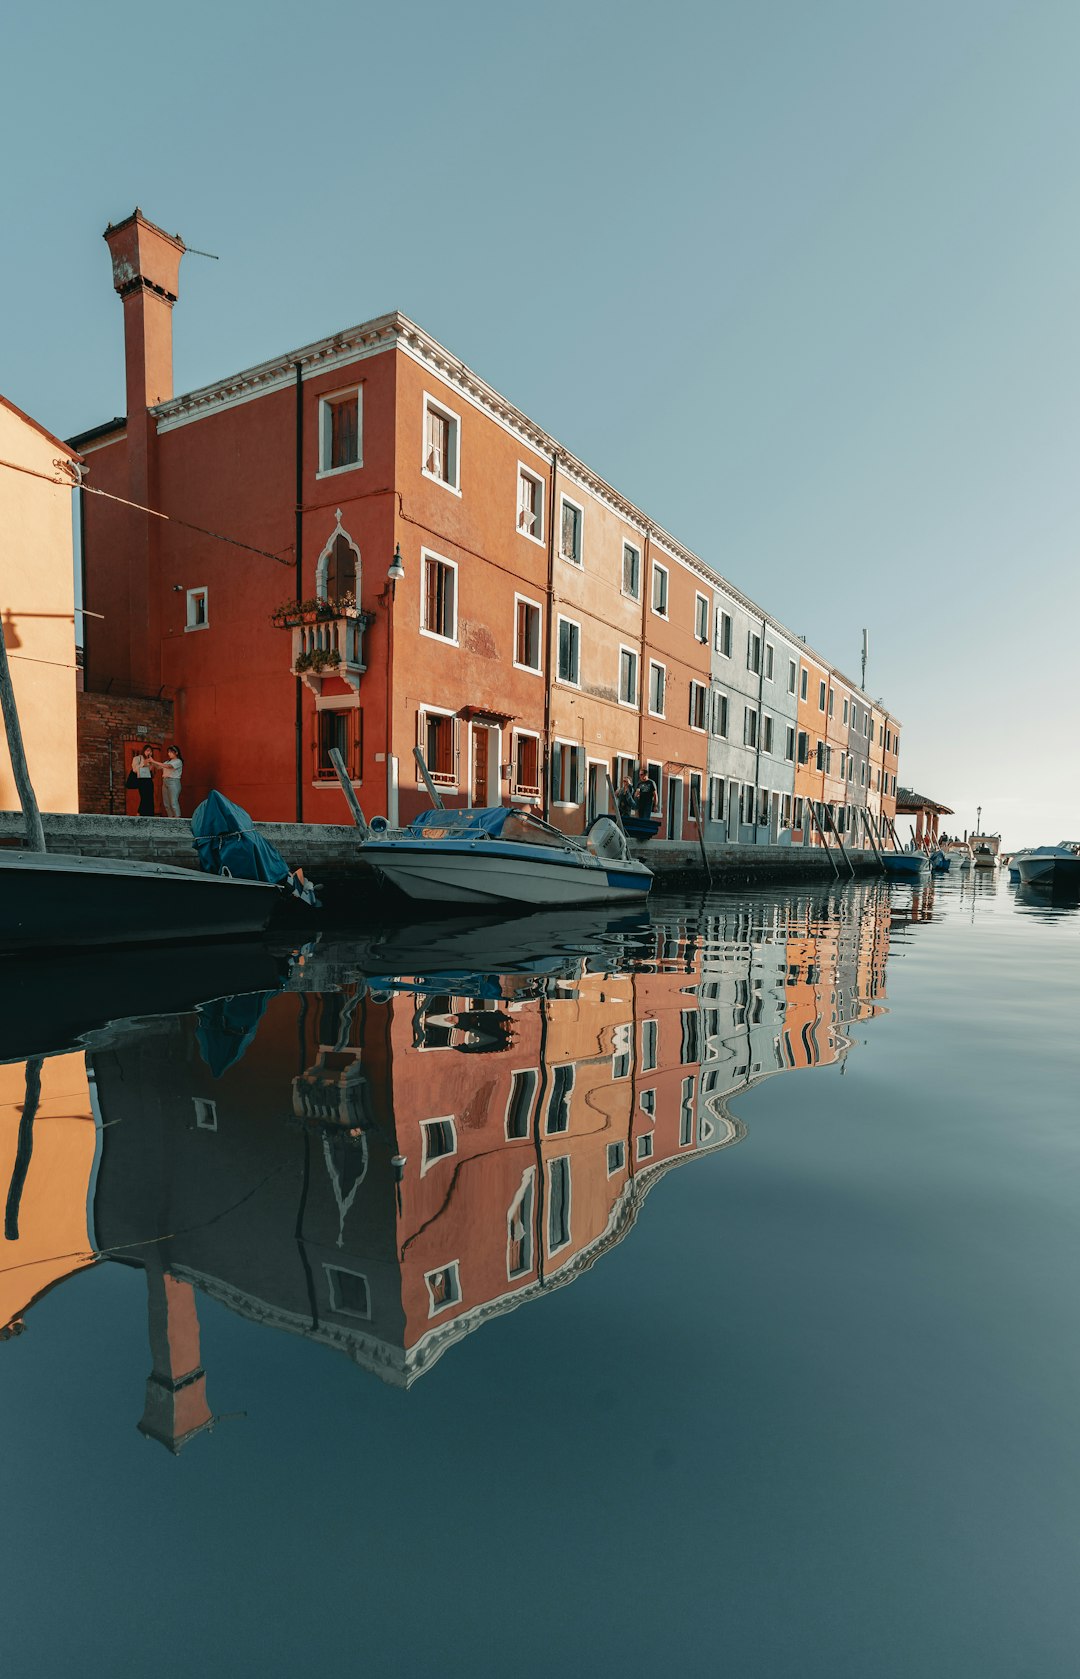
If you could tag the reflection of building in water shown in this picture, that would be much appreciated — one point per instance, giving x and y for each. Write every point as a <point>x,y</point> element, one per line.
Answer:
<point>48,1145</point>
<point>386,1167</point>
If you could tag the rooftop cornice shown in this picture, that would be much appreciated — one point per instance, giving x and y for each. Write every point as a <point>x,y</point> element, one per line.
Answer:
<point>397,331</point>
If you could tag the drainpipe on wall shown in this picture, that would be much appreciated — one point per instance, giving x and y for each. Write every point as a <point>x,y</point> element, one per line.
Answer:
<point>299,563</point>
<point>546,765</point>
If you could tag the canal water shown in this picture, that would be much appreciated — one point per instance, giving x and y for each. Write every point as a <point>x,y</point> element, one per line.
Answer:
<point>691,1294</point>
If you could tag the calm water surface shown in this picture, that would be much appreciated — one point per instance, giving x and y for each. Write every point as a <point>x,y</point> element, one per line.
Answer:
<point>689,1295</point>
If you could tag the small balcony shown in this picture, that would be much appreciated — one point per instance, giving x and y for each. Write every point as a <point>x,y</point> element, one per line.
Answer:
<point>327,640</point>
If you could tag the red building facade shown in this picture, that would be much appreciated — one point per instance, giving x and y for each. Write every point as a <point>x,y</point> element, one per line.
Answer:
<point>364,546</point>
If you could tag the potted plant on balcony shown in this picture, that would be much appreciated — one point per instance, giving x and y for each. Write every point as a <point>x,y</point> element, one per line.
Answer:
<point>325,658</point>
<point>292,613</point>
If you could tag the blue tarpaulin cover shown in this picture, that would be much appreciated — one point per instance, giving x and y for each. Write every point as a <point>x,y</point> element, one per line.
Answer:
<point>452,823</point>
<point>227,843</point>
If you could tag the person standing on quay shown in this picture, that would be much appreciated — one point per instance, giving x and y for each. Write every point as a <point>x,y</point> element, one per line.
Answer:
<point>645,794</point>
<point>141,780</point>
<point>171,771</point>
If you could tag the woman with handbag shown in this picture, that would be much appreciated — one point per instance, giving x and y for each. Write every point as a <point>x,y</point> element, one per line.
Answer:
<point>141,780</point>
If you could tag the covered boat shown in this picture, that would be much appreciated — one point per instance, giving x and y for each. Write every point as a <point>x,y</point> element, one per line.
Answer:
<point>49,901</point>
<point>905,865</point>
<point>1054,868</point>
<point>498,856</point>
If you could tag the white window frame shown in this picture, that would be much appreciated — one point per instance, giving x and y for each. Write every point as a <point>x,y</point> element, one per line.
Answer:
<point>581,771</point>
<point>427,554</point>
<point>793,676</point>
<point>427,1163</point>
<point>439,777</point>
<point>804,683</point>
<point>616,1157</point>
<point>524,1199</point>
<point>518,789</point>
<point>336,1306</point>
<point>719,705</point>
<point>191,621</point>
<point>577,560</point>
<point>701,617</point>
<point>750,725</point>
<point>205,1113</point>
<point>567,681</point>
<point>521,1073</point>
<point>767,732</point>
<point>770,661</point>
<point>453,482</point>
<point>655,664</point>
<point>724,638</point>
<point>557,1160</point>
<point>658,571</point>
<point>527,600</point>
<point>453,1269</point>
<point>633,653</point>
<point>699,693</point>
<point>537,533</point>
<point>325,432</point>
<point>631,594</point>
<point>645,1146</point>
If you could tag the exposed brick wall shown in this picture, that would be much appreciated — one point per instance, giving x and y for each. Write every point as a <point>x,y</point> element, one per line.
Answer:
<point>105,722</point>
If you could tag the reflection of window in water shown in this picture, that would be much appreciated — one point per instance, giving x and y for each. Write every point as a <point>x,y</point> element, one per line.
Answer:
<point>519,1245</point>
<point>349,1292</point>
<point>523,1083</point>
<point>690,1049</point>
<point>645,1146</point>
<point>205,1113</point>
<point>621,1047</point>
<point>616,1157</point>
<point>433,1024</point>
<point>558,1111</point>
<point>647,1102</point>
<point>444,1288</point>
<point>650,1036</point>
<point>686,1113</point>
<point>438,1139</point>
<point>558,1203</point>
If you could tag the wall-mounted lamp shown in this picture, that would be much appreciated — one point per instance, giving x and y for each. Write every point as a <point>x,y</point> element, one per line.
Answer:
<point>396,573</point>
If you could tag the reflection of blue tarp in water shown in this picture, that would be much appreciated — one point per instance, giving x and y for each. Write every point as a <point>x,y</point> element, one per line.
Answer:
<point>227,843</point>
<point>227,1028</point>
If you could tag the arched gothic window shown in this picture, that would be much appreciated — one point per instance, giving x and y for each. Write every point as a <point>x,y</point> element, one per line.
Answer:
<point>337,573</point>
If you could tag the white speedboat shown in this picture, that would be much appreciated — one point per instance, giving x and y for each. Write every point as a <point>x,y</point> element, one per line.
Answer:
<point>497,856</point>
<point>1053,867</point>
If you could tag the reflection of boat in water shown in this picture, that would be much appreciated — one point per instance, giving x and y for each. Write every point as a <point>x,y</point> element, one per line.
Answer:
<point>506,858</point>
<point>1051,868</point>
<point>46,1011</point>
<point>940,862</point>
<point>61,902</point>
<point>545,942</point>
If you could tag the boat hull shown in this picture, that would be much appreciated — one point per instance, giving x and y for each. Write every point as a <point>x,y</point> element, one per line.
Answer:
<point>905,865</point>
<point>1054,874</point>
<point>49,901</point>
<point>432,874</point>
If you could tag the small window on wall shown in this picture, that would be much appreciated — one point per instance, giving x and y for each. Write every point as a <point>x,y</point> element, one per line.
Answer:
<point>716,798</point>
<point>789,746</point>
<point>791,676</point>
<point>766,732</point>
<point>567,772</point>
<point>442,429</point>
<point>723,632</point>
<point>657,689</point>
<point>198,609</point>
<point>753,652</point>
<point>569,663</point>
<point>530,516</point>
<point>339,432</point>
<point>750,726</point>
<point>527,635</point>
<point>659,590</point>
<point>438,742</point>
<point>440,597</point>
<point>571,522</point>
<point>698,693</point>
<point>526,766</point>
<point>802,683</point>
<point>701,618</point>
<point>631,571</point>
<point>719,722</point>
<point>628,677</point>
<point>338,728</point>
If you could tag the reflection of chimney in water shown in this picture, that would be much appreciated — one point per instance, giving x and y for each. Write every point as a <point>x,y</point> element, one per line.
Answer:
<point>176,1407</point>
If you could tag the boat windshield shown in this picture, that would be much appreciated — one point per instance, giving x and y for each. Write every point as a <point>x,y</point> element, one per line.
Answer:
<point>498,822</point>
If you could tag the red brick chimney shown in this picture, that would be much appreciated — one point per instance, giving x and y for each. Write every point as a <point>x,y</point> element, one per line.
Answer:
<point>146,273</point>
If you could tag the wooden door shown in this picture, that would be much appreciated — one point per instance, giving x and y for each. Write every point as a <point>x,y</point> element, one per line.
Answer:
<point>481,742</point>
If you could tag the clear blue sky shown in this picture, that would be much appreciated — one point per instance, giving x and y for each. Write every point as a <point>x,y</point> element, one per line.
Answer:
<point>803,281</point>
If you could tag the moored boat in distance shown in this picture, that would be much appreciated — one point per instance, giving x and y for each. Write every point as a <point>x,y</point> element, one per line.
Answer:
<point>984,850</point>
<point>905,865</point>
<point>503,857</point>
<point>1054,868</point>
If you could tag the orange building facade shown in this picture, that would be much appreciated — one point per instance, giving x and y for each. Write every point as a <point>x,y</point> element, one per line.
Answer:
<point>368,548</point>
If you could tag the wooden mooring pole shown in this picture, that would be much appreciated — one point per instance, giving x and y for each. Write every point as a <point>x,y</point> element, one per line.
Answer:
<point>35,833</point>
